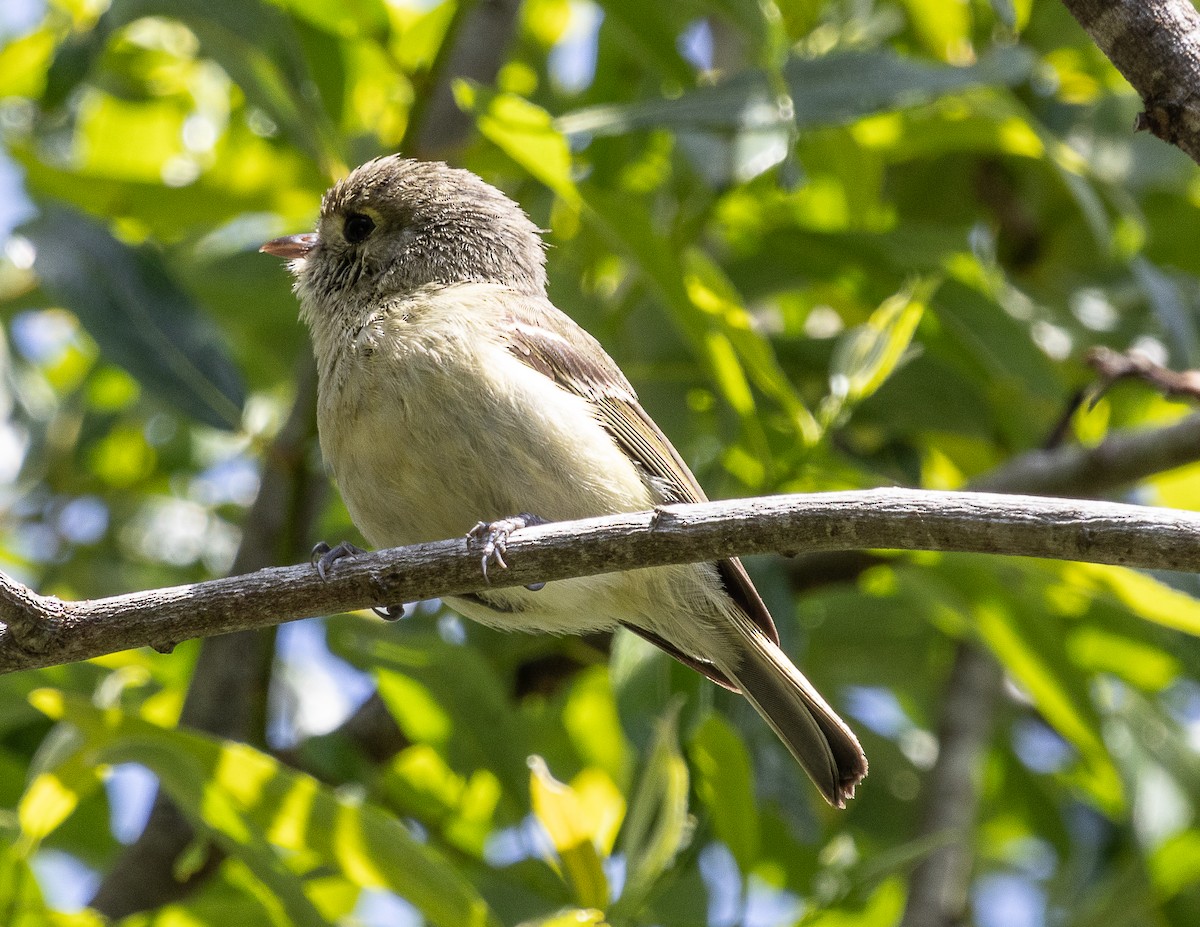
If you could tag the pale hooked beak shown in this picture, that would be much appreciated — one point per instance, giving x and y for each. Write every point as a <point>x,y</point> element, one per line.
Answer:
<point>291,247</point>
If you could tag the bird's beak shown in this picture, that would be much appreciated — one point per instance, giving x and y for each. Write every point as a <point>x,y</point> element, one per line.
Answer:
<point>291,247</point>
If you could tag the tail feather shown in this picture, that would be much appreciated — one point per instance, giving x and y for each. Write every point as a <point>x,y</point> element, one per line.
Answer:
<point>819,740</point>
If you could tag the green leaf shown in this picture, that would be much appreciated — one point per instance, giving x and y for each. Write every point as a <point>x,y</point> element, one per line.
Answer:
<point>1144,596</point>
<point>944,29</point>
<point>1175,865</point>
<point>590,718</point>
<point>830,90</point>
<point>346,19</point>
<point>657,825</point>
<point>21,903</point>
<point>883,907</point>
<point>463,808</point>
<point>254,42</point>
<point>1033,650</point>
<point>570,917</point>
<point>251,803</point>
<point>724,783</point>
<point>444,695</point>
<point>712,292</point>
<point>524,132</point>
<point>56,791</point>
<point>142,320</point>
<point>649,31</point>
<point>868,354</point>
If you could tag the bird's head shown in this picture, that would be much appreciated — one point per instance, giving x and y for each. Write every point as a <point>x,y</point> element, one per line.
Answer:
<point>395,225</point>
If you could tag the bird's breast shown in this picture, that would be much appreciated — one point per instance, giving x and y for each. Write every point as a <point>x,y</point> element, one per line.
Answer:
<point>431,424</point>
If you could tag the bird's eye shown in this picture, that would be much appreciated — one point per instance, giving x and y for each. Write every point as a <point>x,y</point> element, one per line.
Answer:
<point>358,226</point>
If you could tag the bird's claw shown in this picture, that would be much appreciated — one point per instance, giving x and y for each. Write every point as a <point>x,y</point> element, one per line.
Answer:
<point>323,556</point>
<point>491,540</point>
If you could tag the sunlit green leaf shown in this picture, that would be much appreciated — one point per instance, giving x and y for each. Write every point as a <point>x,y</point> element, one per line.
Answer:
<point>20,897</point>
<point>447,696</point>
<point>347,19</point>
<point>1035,655</point>
<point>943,28</point>
<point>576,917</point>
<point>868,354</point>
<point>657,824</point>
<point>525,133</point>
<point>465,808</point>
<point>53,795</point>
<point>251,803</point>
<point>590,717</point>
<point>1142,595</point>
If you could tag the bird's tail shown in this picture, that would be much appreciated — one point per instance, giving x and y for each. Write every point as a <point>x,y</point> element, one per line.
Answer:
<point>819,740</point>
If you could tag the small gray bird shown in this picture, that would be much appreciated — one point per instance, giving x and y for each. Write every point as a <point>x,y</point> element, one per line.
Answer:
<point>451,390</point>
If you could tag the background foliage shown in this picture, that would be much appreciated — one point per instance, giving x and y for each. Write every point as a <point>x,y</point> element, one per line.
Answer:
<point>834,244</point>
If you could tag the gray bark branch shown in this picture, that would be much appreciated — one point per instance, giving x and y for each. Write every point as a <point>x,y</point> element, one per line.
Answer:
<point>1121,459</point>
<point>939,885</point>
<point>44,631</point>
<point>938,890</point>
<point>1155,44</point>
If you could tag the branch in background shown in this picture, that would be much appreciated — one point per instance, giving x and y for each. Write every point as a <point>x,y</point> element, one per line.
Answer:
<point>484,32</point>
<point>896,519</point>
<point>227,696</point>
<point>939,886</point>
<point>228,691</point>
<point>938,891</point>
<point>1119,460</point>
<point>1116,365</point>
<point>1155,44</point>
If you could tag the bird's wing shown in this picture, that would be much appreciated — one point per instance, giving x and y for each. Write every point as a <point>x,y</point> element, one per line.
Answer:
<point>552,344</point>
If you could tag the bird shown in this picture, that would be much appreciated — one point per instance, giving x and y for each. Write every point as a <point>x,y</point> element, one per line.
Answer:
<point>452,393</point>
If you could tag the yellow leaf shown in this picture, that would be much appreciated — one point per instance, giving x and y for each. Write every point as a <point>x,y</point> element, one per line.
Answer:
<point>571,829</point>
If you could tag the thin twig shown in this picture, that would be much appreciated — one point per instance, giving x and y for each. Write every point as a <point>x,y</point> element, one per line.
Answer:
<point>1112,366</point>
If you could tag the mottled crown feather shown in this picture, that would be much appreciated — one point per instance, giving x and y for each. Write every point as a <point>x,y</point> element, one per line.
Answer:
<point>434,224</point>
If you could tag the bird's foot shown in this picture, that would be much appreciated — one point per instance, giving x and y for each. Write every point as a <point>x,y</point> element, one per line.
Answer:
<point>323,557</point>
<point>491,540</point>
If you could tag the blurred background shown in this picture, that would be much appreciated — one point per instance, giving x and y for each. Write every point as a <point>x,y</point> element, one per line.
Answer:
<point>833,243</point>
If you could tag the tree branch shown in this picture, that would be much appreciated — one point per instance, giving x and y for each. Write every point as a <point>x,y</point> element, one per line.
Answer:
<point>1112,366</point>
<point>227,696</point>
<point>1155,44</point>
<point>45,631</point>
<point>1119,460</point>
<point>938,888</point>
<point>1122,458</point>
